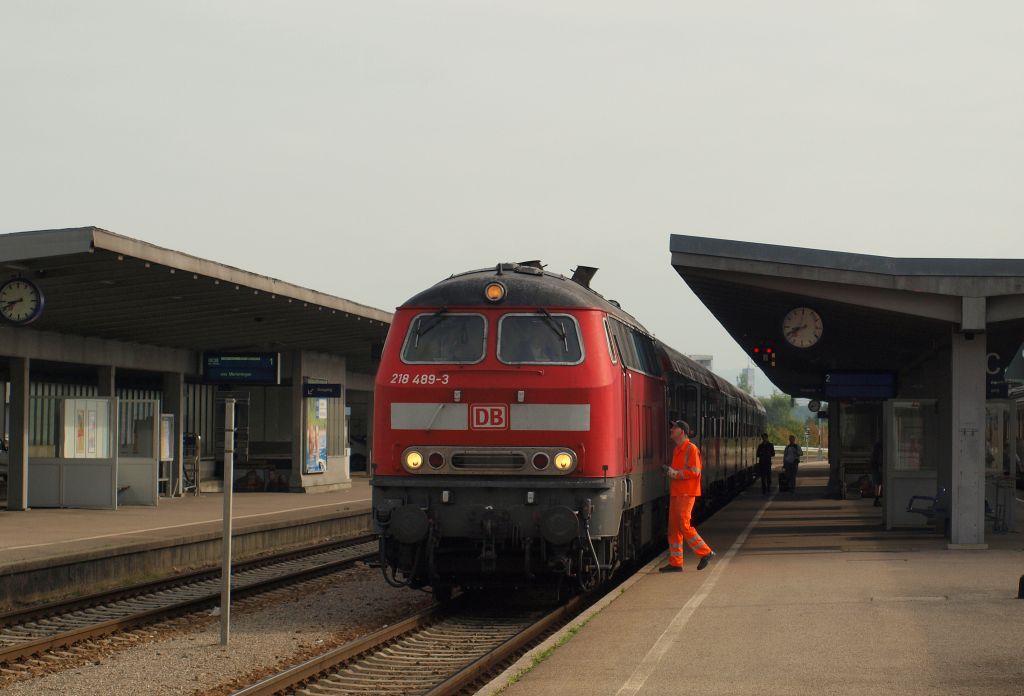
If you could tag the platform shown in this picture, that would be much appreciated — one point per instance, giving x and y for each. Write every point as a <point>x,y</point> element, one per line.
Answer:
<point>46,553</point>
<point>807,596</point>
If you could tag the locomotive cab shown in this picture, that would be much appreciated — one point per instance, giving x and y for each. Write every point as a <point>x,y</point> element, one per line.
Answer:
<point>487,451</point>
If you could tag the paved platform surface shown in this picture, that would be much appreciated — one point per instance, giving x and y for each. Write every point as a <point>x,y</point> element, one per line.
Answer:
<point>39,534</point>
<point>807,596</point>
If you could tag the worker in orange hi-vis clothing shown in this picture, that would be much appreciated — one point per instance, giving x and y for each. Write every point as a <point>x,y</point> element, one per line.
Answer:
<point>684,489</point>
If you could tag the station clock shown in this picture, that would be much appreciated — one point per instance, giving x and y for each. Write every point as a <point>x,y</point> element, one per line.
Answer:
<point>802,327</point>
<point>21,301</point>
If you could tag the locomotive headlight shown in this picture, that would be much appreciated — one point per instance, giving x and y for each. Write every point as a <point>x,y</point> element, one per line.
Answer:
<point>494,292</point>
<point>563,461</point>
<point>413,460</point>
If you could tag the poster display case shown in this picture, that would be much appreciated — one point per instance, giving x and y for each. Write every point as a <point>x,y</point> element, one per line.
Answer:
<point>315,446</point>
<point>86,429</point>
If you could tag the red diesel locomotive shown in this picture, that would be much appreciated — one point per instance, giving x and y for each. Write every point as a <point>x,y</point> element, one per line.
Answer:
<point>520,427</point>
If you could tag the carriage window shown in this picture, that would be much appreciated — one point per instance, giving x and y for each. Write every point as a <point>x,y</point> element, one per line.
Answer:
<point>539,339</point>
<point>691,402</point>
<point>445,338</point>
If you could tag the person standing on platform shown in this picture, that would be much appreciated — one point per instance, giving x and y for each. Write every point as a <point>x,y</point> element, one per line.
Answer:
<point>684,489</point>
<point>876,472</point>
<point>791,460</point>
<point>765,452</point>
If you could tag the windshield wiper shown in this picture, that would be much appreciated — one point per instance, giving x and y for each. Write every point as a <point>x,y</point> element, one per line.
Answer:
<point>438,316</point>
<point>555,326</point>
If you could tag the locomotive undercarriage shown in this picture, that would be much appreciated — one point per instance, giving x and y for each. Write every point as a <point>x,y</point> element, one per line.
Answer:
<point>487,533</point>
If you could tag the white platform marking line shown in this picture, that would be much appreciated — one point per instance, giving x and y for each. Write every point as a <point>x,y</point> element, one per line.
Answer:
<point>653,657</point>
<point>175,526</point>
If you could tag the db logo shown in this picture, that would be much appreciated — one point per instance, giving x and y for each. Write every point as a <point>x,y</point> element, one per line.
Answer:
<point>489,417</point>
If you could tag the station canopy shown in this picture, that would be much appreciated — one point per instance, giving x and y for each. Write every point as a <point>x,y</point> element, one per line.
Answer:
<point>878,313</point>
<point>98,284</point>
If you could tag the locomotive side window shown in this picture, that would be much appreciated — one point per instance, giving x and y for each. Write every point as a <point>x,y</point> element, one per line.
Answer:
<point>648,356</point>
<point>539,339</point>
<point>624,342</point>
<point>637,349</point>
<point>445,338</point>
<point>608,335</point>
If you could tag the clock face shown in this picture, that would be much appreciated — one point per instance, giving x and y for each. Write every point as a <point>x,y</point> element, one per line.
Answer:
<point>20,301</point>
<point>802,327</point>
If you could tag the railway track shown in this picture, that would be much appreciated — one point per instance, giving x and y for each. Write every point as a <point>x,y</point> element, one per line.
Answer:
<point>437,652</point>
<point>35,631</point>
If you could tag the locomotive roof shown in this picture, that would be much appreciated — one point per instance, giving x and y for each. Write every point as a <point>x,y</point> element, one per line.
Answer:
<point>526,286</point>
<point>530,286</point>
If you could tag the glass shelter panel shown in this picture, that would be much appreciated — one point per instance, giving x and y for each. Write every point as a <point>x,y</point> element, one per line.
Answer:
<point>909,424</point>
<point>1002,461</point>
<point>1018,454</point>
<point>860,429</point>
<point>1002,438</point>
<point>910,489</point>
<point>136,434</point>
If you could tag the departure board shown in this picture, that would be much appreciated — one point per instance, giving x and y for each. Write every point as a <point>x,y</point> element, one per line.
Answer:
<point>859,385</point>
<point>242,368</point>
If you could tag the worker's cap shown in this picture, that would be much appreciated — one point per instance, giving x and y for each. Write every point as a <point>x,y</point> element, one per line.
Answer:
<point>681,424</point>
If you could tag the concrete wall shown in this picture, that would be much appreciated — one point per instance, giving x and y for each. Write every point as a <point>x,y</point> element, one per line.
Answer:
<point>76,575</point>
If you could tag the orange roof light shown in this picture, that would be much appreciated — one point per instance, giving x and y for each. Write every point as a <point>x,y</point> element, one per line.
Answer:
<point>494,292</point>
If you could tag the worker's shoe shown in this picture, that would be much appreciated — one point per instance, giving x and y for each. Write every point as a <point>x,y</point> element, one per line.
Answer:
<point>670,569</point>
<point>704,560</point>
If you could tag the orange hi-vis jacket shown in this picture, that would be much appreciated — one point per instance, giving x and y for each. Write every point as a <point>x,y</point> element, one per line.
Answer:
<point>686,460</point>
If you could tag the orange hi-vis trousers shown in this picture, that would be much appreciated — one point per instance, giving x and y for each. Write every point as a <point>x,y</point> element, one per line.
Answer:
<point>679,529</point>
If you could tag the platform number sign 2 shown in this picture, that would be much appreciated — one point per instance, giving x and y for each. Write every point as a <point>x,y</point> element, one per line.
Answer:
<point>489,417</point>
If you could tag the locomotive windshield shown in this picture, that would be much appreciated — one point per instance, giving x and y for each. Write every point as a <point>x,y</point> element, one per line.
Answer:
<point>539,339</point>
<point>445,338</point>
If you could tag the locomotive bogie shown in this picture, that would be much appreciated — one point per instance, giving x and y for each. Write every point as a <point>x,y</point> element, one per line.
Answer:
<point>482,532</point>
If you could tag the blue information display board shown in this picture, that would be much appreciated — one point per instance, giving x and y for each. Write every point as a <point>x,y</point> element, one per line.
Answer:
<point>859,385</point>
<point>242,368</point>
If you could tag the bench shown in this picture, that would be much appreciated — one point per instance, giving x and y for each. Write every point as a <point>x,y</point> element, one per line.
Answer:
<point>929,506</point>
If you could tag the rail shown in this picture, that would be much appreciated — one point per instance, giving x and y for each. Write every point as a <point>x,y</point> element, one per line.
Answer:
<point>35,631</point>
<point>440,651</point>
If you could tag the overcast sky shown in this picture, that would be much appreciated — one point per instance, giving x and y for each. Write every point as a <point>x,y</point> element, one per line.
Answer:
<point>368,149</point>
